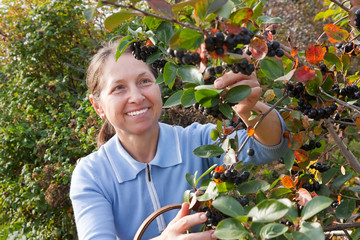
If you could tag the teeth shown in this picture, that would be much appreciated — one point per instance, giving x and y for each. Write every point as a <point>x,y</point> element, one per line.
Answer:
<point>137,112</point>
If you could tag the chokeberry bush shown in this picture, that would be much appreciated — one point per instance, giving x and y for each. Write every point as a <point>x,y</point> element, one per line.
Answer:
<point>316,90</point>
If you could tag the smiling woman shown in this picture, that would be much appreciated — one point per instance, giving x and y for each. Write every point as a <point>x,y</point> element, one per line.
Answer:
<point>141,164</point>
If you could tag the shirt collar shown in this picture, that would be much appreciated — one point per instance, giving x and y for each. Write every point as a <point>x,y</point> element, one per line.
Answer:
<point>126,168</point>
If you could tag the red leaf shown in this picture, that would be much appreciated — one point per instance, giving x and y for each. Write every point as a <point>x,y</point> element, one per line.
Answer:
<point>258,48</point>
<point>233,29</point>
<point>335,33</point>
<point>302,157</point>
<point>241,16</point>
<point>162,8</point>
<point>304,74</point>
<point>315,53</point>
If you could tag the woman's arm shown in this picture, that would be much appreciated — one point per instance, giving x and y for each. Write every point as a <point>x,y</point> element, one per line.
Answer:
<point>269,131</point>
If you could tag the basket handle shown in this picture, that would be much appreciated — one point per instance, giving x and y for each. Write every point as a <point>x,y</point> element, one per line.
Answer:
<point>152,217</point>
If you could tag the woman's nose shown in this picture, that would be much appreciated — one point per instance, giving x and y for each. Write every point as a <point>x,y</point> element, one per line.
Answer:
<point>136,95</point>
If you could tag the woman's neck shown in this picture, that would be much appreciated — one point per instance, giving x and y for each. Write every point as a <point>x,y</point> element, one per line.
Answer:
<point>142,147</point>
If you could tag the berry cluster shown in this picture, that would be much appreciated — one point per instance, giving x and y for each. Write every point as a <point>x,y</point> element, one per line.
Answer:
<point>323,69</point>
<point>347,47</point>
<point>298,91</point>
<point>320,167</point>
<point>311,145</point>
<point>217,42</point>
<point>142,52</point>
<point>315,186</point>
<point>274,49</point>
<point>350,91</point>
<point>357,19</point>
<point>214,216</point>
<point>229,175</point>
<point>243,67</point>
<point>159,64</point>
<point>343,119</point>
<point>185,57</point>
<point>212,111</point>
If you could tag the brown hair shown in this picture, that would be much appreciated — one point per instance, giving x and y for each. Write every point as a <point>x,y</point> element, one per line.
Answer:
<point>94,83</point>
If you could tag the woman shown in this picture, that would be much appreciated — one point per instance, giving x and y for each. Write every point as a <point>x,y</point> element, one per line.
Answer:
<point>142,167</point>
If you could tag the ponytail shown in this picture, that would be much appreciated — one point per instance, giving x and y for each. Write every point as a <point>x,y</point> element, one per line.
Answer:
<point>107,131</point>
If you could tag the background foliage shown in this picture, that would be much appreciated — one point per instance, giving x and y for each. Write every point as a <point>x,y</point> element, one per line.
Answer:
<point>47,122</point>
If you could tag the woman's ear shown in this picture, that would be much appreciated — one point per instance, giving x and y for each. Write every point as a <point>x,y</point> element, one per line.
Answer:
<point>97,107</point>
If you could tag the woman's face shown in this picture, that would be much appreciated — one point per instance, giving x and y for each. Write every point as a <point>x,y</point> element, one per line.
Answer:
<point>129,99</point>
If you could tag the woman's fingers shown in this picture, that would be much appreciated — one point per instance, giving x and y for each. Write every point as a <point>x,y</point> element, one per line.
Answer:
<point>231,78</point>
<point>184,211</point>
<point>187,222</point>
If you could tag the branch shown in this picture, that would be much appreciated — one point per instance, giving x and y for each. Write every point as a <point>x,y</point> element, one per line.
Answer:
<point>341,226</point>
<point>186,25</point>
<point>260,120</point>
<point>349,156</point>
<point>340,5</point>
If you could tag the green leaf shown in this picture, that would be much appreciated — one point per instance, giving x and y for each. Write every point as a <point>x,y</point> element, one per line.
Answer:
<point>314,206</point>
<point>208,151</point>
<point>226,110</point>
<point>260,195</point>
<point>206,97</point>
<point>152,23</point>
<point>190,74</point>
<point>355,189</point>
<point>153,57</point>
<point>170,73</point>
<point>118,18</point>
<point>269,20</point>
<point>225,187</point>
<point>253,186</point>
<point>123,44</point>
<point>229,206</point>
<point>280,193</point>
<point>268,210</point>
<point>329,174</point>
<point>188,97</point>
<point>272,68</point>
<point>187,196</point>
<point>346,208</point>
<point>312,231</point>
<point>205,7</point>
<point>289,159</point>
<point>210,193</point>
<point>89,13</point>
<point>340,180</point>
<point>186,39</point>
<point>331,59</point>
<point>237,93</point>
<point>164,32</point>
<point>230,228</point>
<point>272,230</point>
<point>191,179</point>
<point>225,10</point>
<point>174,99</point>
<point>205,173</point>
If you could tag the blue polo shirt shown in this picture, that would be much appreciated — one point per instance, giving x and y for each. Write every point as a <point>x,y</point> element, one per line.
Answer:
<point>112,193</point>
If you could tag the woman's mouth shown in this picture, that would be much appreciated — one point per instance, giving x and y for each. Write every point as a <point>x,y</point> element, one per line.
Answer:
<point>135,113</point>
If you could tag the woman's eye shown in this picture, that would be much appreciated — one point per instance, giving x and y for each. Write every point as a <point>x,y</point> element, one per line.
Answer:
<point>118,88</point>
<point>145,81</point>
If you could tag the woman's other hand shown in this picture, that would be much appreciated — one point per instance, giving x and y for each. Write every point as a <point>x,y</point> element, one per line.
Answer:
<point>184,221</point>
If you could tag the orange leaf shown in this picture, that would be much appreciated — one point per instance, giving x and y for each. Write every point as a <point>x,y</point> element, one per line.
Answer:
<point>250,131</point>
<point>303,196</point>
<point>294,51</point>
<point>220,169</point>
<point>335,33</point>
<point>318,130</point>
<point>357,122</point>
<point>287,182</point>
<point>304,74</point>
<point>315,53</point>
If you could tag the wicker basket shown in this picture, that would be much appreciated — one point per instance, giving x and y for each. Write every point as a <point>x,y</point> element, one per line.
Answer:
<point>152,217</point>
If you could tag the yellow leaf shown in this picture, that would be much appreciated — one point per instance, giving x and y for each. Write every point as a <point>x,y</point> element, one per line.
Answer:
<point>269,95</point>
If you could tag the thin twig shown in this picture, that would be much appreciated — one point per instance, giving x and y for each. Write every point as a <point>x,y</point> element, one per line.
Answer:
<point>341,226</point>
<point>357,36</point>
<point>349,156</point>
<point>347,234</point>
<point>340,5</point>
<point>186,25</point>
<point>260,120</point>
